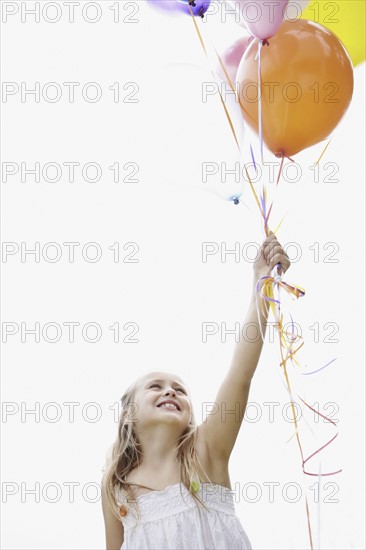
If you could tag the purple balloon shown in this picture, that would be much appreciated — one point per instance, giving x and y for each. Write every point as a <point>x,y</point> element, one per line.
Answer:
<point>198,7</point>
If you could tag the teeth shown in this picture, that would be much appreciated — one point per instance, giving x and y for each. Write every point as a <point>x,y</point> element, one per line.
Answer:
<point>169,406</point>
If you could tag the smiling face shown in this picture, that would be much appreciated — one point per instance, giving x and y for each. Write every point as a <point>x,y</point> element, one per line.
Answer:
<point>162,398</point>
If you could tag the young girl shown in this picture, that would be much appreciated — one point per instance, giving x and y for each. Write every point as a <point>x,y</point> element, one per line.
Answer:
<point>166,484</point>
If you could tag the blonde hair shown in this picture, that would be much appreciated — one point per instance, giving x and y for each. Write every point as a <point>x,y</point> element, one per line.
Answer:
<point>125,455</point>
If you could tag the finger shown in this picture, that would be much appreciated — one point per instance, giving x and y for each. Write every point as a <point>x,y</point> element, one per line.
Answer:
<point>277,252</point>
<point>269,239</point>
<point>280,259</point>
<point>269,247</point>
<point>272,249</point>
<point>271,253</point>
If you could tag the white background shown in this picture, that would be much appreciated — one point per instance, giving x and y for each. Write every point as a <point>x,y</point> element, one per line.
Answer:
<point>170,291</point>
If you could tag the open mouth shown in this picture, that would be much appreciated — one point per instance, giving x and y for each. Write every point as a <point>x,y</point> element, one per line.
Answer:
<point>169,405</point>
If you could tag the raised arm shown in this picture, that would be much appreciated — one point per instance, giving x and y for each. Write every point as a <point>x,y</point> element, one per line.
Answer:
<point>220,429</point>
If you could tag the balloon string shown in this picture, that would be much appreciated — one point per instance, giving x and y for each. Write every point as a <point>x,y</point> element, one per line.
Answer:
<point>282,157</point>
<point>226,112</point>
<point>279,225</point>
<point>253,159</point>
<point>256,198</point>
<point>266,292</point>
<point>280,170</point>
<point>321,156</point>
<point>260,45</point>
<point>197,29</point>
<point>263,199</point>
<point>318,370</point>
<point>213,76</point>
<point>227,76</point>
<point>319,506</point>
<point>325,445</point>
<point>237,96</point>
<point>309,525</point>
<point>267,217</point>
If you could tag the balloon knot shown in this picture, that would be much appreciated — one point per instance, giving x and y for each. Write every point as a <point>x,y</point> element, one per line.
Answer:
<point>192,3</point>
<point>236,200</point>
<point>281,155</point>
<point>201,12</point>
<point>265,42</point>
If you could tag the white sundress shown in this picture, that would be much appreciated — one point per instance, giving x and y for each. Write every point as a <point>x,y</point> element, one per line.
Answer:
<point>171,521</point>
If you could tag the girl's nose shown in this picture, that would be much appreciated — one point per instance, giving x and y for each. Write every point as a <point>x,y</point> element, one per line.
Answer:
<point>171,392</point>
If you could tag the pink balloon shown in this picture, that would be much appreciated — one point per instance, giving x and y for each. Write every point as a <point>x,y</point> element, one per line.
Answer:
<point>263,17</point>
<point>232,57</point>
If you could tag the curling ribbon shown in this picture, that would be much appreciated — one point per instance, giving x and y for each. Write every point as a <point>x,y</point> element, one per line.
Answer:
<point>265,296</point>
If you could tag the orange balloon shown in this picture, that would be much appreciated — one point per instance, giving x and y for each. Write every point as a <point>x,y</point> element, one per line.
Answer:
<point>306,86</point>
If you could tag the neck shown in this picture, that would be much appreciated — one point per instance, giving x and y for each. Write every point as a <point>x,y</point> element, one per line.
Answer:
<point>159,450</point>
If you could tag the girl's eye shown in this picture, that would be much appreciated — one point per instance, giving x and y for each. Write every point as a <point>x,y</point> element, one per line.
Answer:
<point>182,390</point>
<point>154,386</point>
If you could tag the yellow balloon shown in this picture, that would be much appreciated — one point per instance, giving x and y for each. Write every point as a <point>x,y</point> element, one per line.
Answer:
<point>346,19</point>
